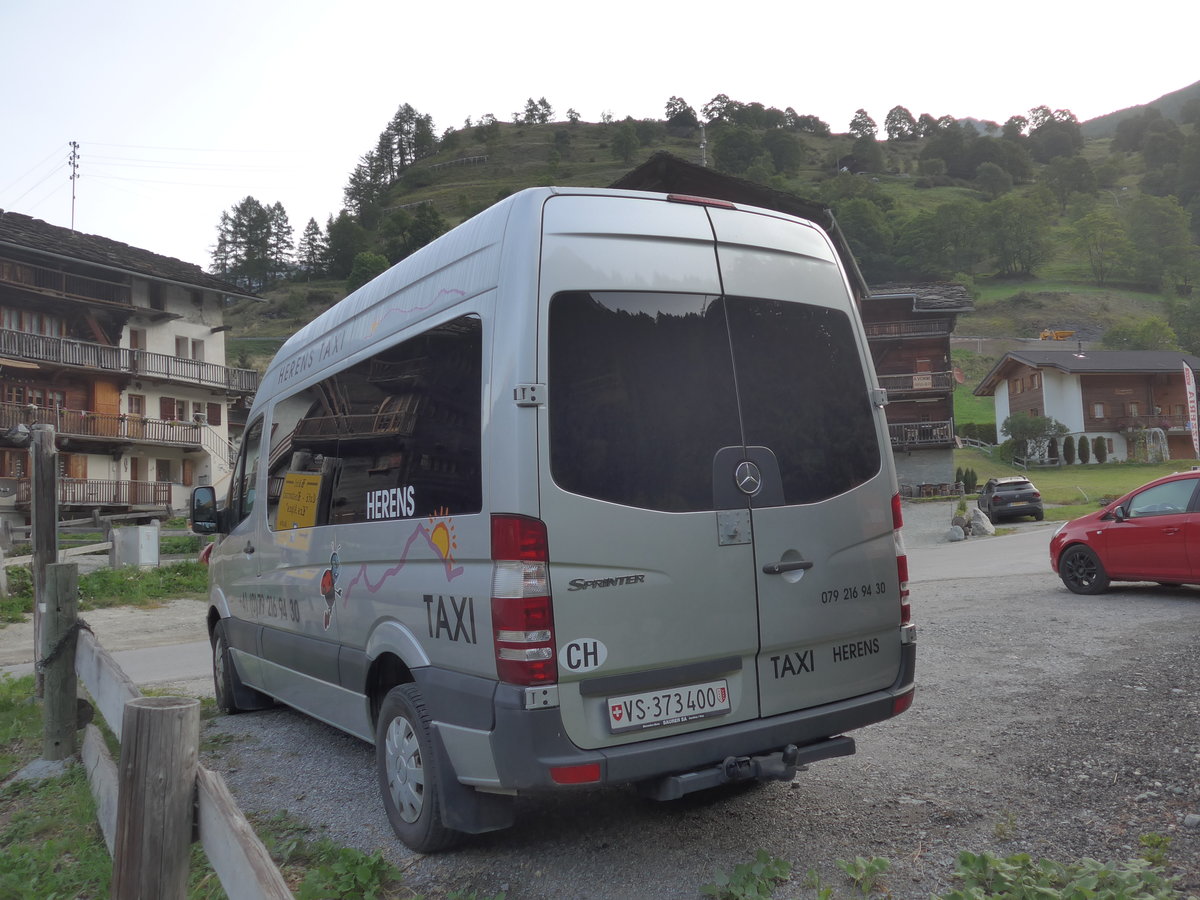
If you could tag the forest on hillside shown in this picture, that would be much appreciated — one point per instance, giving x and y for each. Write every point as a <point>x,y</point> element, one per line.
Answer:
<point>918,198</point>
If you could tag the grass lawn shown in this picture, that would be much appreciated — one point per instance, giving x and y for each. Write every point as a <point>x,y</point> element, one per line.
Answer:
<point>1072,490</point>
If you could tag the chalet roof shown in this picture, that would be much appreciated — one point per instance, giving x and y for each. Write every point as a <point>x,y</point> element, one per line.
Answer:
<point>669,174</point>
<point>1088,362</point>
<point>937,296</point>
<point>35,236</point>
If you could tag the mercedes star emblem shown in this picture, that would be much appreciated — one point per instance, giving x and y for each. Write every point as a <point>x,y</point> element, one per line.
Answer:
<point>747,477</point>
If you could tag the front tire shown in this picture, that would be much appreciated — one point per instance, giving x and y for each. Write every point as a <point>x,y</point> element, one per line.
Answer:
<point>409,774</point>
<point>1081,571</point>
<point>231,695</point>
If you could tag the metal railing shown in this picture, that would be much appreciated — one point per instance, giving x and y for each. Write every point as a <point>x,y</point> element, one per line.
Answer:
<point>906,329</point>
<point>102,492</point>
<point>916,434</point>
<point>917,381</point>
<point>88,355</point>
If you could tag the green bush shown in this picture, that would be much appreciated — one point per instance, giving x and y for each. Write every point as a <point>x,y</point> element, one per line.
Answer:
<point>1083,449</point>
<point>1068,450</point>
<point>1100,449</point>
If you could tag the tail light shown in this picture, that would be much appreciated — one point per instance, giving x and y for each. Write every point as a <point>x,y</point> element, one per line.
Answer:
<point>901,560</point>
<point>522,612</point>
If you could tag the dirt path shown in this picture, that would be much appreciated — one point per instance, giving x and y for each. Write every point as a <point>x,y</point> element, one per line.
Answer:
<point>119,628</point>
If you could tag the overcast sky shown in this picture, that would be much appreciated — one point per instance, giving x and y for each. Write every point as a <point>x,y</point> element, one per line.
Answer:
<point>182,108</point>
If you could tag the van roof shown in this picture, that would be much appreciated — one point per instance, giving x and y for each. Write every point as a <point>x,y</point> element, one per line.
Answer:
<point>407,292</point>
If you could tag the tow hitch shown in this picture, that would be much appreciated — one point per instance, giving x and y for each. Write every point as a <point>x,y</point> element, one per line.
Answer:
<point>782,765</point>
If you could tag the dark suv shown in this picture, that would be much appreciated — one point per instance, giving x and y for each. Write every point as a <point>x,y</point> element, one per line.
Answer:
<point>1008,498</point>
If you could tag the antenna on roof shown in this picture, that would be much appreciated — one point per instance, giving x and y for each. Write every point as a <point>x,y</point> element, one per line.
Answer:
<point>1079,354</point>
<point>73,161</point>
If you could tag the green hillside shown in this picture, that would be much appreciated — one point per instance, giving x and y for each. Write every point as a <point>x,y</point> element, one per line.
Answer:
<point>1049,227</point>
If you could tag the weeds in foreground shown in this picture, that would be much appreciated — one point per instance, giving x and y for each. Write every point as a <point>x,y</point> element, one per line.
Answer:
<point>128,586</point>
<point>982,877</point>
<point>750,881</point>
<point>865,873</point>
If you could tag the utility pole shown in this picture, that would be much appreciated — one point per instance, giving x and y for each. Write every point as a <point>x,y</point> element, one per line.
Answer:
<point>73,161</point>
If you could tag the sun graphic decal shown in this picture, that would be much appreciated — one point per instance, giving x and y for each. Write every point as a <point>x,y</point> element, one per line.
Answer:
<point>443,538</point>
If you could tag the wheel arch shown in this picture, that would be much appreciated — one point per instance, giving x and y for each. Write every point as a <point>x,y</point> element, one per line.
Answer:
<point>393,652</point>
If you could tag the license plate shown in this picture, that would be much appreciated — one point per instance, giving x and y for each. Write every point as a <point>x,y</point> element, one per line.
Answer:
<point>671,706</point>
<point>1019,503</point>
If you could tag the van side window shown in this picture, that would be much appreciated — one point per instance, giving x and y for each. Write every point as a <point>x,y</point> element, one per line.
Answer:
<point>243,487</point>
<point>395,436</point>
<point>646,389</point>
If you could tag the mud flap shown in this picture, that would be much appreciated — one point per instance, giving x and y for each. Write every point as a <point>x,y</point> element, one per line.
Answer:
<point>464,808</point>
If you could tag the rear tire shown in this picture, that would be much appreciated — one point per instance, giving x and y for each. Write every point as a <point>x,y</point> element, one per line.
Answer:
<point>409,775</point>
<point>1081,571</point>
<point>1039,515</point>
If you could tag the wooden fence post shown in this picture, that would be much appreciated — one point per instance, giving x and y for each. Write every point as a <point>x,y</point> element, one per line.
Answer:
<point>160,741</point>
<point>44,530</point>
<point>60,714</point>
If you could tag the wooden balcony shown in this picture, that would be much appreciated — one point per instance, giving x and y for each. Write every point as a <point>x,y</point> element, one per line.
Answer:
<point>101,492</point>
<point>1126,423</point>
<point>921,434</point>
<point>103,428</point>
<point>57,283</point>
<point>917,383</point>
<point>85,355</point>
<point>883,331</point>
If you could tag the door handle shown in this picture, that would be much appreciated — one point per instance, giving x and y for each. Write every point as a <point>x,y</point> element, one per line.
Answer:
<point>249,548</point>
<point>779,568</point>
<point>1171,530</point>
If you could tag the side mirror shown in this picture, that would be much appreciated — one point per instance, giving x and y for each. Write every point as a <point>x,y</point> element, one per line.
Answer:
<point>1119,514</point>
<point>204,515</point>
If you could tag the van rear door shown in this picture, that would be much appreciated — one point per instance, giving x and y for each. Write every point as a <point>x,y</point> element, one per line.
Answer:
<point>648,597</point>
<point>714,475</point>
<point>825,556</point>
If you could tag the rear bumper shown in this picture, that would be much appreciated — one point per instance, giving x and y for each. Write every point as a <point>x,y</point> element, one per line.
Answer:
<point>527,744</point>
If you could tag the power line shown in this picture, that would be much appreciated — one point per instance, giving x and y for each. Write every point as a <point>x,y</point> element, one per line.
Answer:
<point>52,155</point>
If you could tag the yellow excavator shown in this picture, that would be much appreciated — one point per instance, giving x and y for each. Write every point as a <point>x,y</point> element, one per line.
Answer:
<point>1051,335</point>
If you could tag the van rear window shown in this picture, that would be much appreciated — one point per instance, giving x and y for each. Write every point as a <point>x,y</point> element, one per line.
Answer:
<point>647,388</point>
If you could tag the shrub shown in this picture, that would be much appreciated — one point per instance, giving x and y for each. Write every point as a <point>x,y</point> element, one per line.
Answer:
<point>970,481</point>
<point>1100,449</point>
<point>1084,449</point>
<point>1068,450</point>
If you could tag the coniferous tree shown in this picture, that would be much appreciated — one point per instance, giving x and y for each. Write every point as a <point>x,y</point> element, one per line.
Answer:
<point>310,253</point>
<point>244,245</point>
<point>282,255</point>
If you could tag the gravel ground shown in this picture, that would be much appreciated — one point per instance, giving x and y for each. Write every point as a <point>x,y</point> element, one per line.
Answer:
<point>1045,723</point>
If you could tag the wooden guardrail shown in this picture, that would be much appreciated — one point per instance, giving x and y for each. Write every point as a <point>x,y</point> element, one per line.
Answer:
<point>145,805</point>
<point>150,806</point>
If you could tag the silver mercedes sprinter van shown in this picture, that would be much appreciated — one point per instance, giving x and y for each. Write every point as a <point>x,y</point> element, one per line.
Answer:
<point>595,489</point>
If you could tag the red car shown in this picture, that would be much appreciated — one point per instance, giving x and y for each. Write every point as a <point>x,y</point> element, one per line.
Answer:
<point>1150,534</point>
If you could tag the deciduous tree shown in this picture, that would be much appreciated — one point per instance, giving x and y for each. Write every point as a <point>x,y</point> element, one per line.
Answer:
<point>899,124</point>
<point>680,114</point>
<point>862,125</point>
<point>1018,234</point>
<point>1101,235</point>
